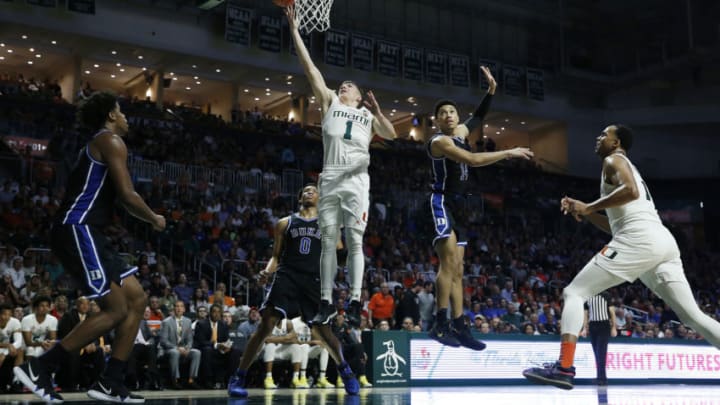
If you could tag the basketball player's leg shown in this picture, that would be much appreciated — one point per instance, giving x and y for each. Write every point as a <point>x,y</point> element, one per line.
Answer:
<point>668,282</point>
<point>329,219</point>
<point>325,334</point>
<point>591,281</point>
<point>355,201</point>
<point>446,249</point>
<point>270,318</point>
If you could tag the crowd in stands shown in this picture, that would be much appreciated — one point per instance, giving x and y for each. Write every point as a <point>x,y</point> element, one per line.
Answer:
<point>520,254</point>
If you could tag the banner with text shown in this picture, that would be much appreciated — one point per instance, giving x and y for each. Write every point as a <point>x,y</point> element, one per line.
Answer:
<point>390,362</point>
<point>363,52</point>
<point>535,84</point>
<point>506,359</point>
<point>238,23</point>
<point>388,58</point>
<point>494,69</point>
<point>459,68</point>
<point>513,80</point>
<point>43,3</point>
<point>81,6</point>
<point>270,34</point>
<point>412,63</point>
<point>435,67</point>
<point>336,48</point>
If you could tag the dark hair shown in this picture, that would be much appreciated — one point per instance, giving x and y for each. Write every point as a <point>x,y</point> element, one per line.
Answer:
<point>300,193</point>
<point>625,135</point>
<point>218,306</point>
<point>360,90</point>
<point>93,112</point>
<point>40,298</point>
<point>6,307</point>
<point>444,102</point>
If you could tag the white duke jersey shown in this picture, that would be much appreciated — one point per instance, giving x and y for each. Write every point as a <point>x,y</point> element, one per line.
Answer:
<point>346,135</point>
<point>634,214</point>
<point>39,331</point>
<point>11,334</point>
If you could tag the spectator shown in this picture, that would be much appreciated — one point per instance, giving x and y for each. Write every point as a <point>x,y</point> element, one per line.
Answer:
<point>182,291</point>
<point>143,360</point>
<point>381,306</point>
<point>212,339</point>
<point>11,342</point>
<point>248,327</point>
<point>176,342</point>
<point>39,329</point>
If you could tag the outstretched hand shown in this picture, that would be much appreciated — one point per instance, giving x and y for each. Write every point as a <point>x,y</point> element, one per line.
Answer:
<point>290,14</point>
<point>371,103</point>
<point>492,84</point>
<point>523,153</point>
<point>571,206</point>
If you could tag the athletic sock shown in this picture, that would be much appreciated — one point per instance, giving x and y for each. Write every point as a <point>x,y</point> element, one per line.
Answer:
<point>115,369</point>
<point>268,374</point>
<point>459,323</point>
<point>56,355</point>
<point>441,317</point>
<point>296,375</point>
<point>567,354</point>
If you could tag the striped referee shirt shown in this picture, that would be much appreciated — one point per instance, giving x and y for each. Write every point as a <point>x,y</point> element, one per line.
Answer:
<point>599,308</point>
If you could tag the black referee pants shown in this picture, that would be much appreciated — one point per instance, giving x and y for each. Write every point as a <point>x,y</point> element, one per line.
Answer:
<point>599,338</point>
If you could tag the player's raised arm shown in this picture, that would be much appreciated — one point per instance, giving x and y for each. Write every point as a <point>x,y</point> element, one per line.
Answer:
<point>478,116</point>
<point>381,124</point>
<point>317,82</point>
<point>444,146</point>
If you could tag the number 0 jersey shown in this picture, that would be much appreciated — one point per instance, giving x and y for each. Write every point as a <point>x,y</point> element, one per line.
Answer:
<point>635,213</point>
<point>346,136</point>
<point>301,248</point>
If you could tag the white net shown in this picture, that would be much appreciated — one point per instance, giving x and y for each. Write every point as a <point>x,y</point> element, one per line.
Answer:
<point>313,15</point>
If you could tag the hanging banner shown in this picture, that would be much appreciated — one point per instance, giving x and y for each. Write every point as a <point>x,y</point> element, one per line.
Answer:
<point>494,69</point>
<point>459,69</point>
<point>238,22</point>
<point>513,80</point>
<point>535,84</point>
<point>412,63</point>
<point>362,52</point>
<point>336,48</point>
<point>388,54</point>
<point>436,67</point>
<point>43,3</point>
<point>270,34</point>
<point>81,6</point>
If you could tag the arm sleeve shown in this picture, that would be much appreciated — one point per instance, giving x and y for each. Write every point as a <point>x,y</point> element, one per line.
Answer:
<point>478,116</point>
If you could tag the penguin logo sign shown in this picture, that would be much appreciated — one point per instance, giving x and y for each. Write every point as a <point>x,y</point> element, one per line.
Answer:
<point>391,360</point>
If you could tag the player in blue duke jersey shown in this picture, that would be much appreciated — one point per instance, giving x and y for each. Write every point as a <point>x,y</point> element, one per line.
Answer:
<point>99,179</point>
<point>296,264</point>
<point>344,184</point>
<point>451,156</point>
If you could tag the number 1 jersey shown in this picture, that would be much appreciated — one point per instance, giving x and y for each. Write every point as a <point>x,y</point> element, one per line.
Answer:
<point>346,136</point>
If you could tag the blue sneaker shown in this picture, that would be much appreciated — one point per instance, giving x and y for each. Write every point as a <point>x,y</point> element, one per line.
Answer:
<point>352,386</point>
<point>236,385</point>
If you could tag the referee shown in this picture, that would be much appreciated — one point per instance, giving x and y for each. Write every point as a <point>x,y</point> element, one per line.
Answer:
<point>600,322</point>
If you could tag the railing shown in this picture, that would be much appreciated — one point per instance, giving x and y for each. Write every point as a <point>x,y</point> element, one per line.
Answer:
<point>292,181</point>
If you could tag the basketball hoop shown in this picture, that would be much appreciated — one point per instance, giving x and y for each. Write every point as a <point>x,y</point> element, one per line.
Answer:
<point>313,15</point>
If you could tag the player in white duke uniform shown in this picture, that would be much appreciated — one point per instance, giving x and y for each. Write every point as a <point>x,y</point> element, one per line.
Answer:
<point>348,125</point>
<point>641,247</point>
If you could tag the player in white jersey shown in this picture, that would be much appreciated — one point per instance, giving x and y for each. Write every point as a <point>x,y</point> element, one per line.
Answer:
<point>11,343</point>
<point>347,129</point>
<point>641,247</point>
